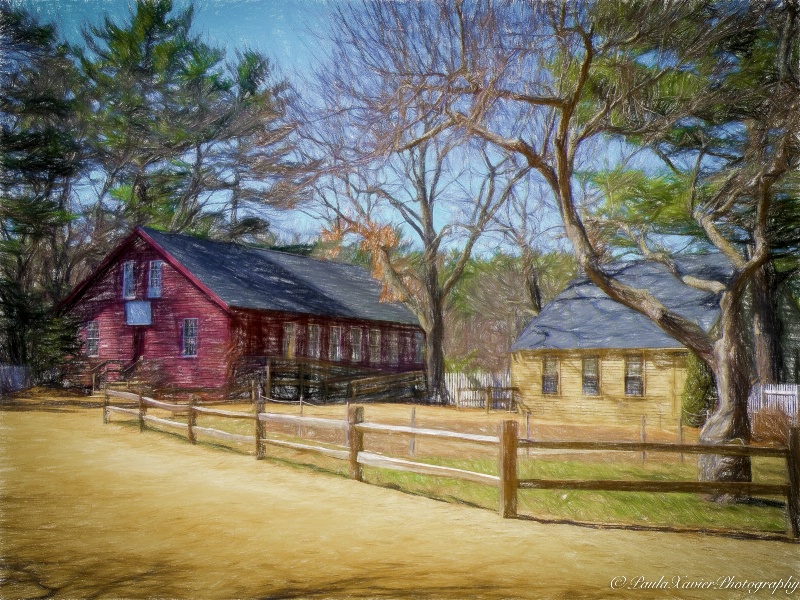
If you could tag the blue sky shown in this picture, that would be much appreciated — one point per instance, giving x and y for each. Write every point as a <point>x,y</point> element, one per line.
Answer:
<point>288,31</point>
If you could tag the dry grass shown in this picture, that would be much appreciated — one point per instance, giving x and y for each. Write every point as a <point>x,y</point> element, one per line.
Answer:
<point>771,426</point>
<point>94,511</point>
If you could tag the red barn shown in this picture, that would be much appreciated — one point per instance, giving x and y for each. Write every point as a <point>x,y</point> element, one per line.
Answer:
<point>193,310</point>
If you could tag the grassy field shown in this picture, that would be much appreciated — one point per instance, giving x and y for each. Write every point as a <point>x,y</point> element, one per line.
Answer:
<point>102,511</point>
<point>620,508</point>
<point>89,510</point>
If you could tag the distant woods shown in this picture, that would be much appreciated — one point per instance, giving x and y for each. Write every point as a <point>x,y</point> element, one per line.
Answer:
<point>144,124</point>
<point>429,133</point>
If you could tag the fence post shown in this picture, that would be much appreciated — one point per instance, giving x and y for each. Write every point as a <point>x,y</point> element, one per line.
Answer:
<point>303,377</point>
<point>413,444</point>
<point>268,383</point>
<point>192,419</point>
<point>644,436</point>
<point>508,469</point>
<point>105,407</point>
<point>528,431</point>
<point>260,427</point>
<point>488,398</point>
<point>300,423</point>
<point>680,433</point>
<point>142,411</point>
<point>793,466</point>
<point>346,423</point>
<point>355,415</point>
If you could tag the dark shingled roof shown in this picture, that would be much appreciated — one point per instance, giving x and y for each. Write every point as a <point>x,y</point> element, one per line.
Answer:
<point>261,279</point>
<point>584,317</point>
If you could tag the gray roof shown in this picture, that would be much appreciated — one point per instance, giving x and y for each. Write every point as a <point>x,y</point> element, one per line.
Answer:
<point>259,279</point>
<point>584,317</point>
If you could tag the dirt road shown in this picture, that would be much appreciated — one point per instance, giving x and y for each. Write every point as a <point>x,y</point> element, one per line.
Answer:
<point>94,511</point>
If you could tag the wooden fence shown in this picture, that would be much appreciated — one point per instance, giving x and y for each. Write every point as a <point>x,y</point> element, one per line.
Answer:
<point>779,398</point>
<point>481,390</point>
<point>507,442</point>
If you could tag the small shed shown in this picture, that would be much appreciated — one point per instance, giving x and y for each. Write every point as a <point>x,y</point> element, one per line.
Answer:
<point>589,357</point>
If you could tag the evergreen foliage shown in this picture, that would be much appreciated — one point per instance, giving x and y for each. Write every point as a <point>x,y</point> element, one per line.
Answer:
<point>146,124</point>
<point>700,392</point>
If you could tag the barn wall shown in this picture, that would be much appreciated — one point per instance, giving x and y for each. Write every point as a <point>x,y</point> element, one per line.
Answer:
<point>162,344</point>
<point>262,334</point>
<point>664,379</point>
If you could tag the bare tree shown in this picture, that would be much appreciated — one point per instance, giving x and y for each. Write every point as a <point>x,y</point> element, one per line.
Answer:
<point>442,192</point>
<point>433,194</point>
<point>542,80</point>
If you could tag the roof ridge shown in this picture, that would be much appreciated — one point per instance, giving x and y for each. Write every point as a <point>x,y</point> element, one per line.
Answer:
<point>255,248</point>
<point>279,280</point>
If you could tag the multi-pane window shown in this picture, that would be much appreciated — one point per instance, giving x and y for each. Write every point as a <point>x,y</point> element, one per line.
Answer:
<point>92,338</point>
<point>288,340</point>
<point>394,351</point>
<point>634,376</point>
<point>128,280</point>
<point>335,344</point>
<point>154,279</point>
<point>419,347</point>
<point>591,376</point>
<point>355,344</point>
<point>550,375</point>
<point>313,341</point>
<point>375,346</point>
<point>190,336</point>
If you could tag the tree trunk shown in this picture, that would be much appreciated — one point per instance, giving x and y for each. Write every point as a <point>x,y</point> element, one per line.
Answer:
<point>532,280</point>
<point>729,422</point>
<point>437,390</point>
<point>767,326</point>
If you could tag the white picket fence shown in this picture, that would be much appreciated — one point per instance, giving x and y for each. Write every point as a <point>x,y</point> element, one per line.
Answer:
<point>14,378</point>
<point>465,390</point>
<point>782,398</point>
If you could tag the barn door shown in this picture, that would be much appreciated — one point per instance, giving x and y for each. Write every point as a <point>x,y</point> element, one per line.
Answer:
<point>138,343</point>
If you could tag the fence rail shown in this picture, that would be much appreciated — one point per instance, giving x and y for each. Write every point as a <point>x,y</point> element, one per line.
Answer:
<point>507,442</point>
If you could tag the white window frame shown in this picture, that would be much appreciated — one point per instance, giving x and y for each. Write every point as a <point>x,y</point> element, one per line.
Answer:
<point>93,338</point>
<point>190,337</point>
<point>129,280</point>
<point>375,346</point>
<point>584,381</point>
<point>394,348</point>
<point>313,340</point>
<point>553,361</point>
<point>419,347</point>
<point>631,359</point>
<point>356,336</point>
<point>289,339</point>
<point>335,344</point>
<point>155,279</point>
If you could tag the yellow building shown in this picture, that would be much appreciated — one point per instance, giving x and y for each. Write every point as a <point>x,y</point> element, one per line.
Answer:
<point>589,358</point>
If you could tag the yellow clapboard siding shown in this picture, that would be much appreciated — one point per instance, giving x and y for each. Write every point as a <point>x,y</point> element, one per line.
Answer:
<point>664,373</point>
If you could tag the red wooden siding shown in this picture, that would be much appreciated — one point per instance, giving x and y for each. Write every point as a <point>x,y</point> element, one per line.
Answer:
<point>224,334</point>
<point>261,334</point>
<point>162,341</point>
